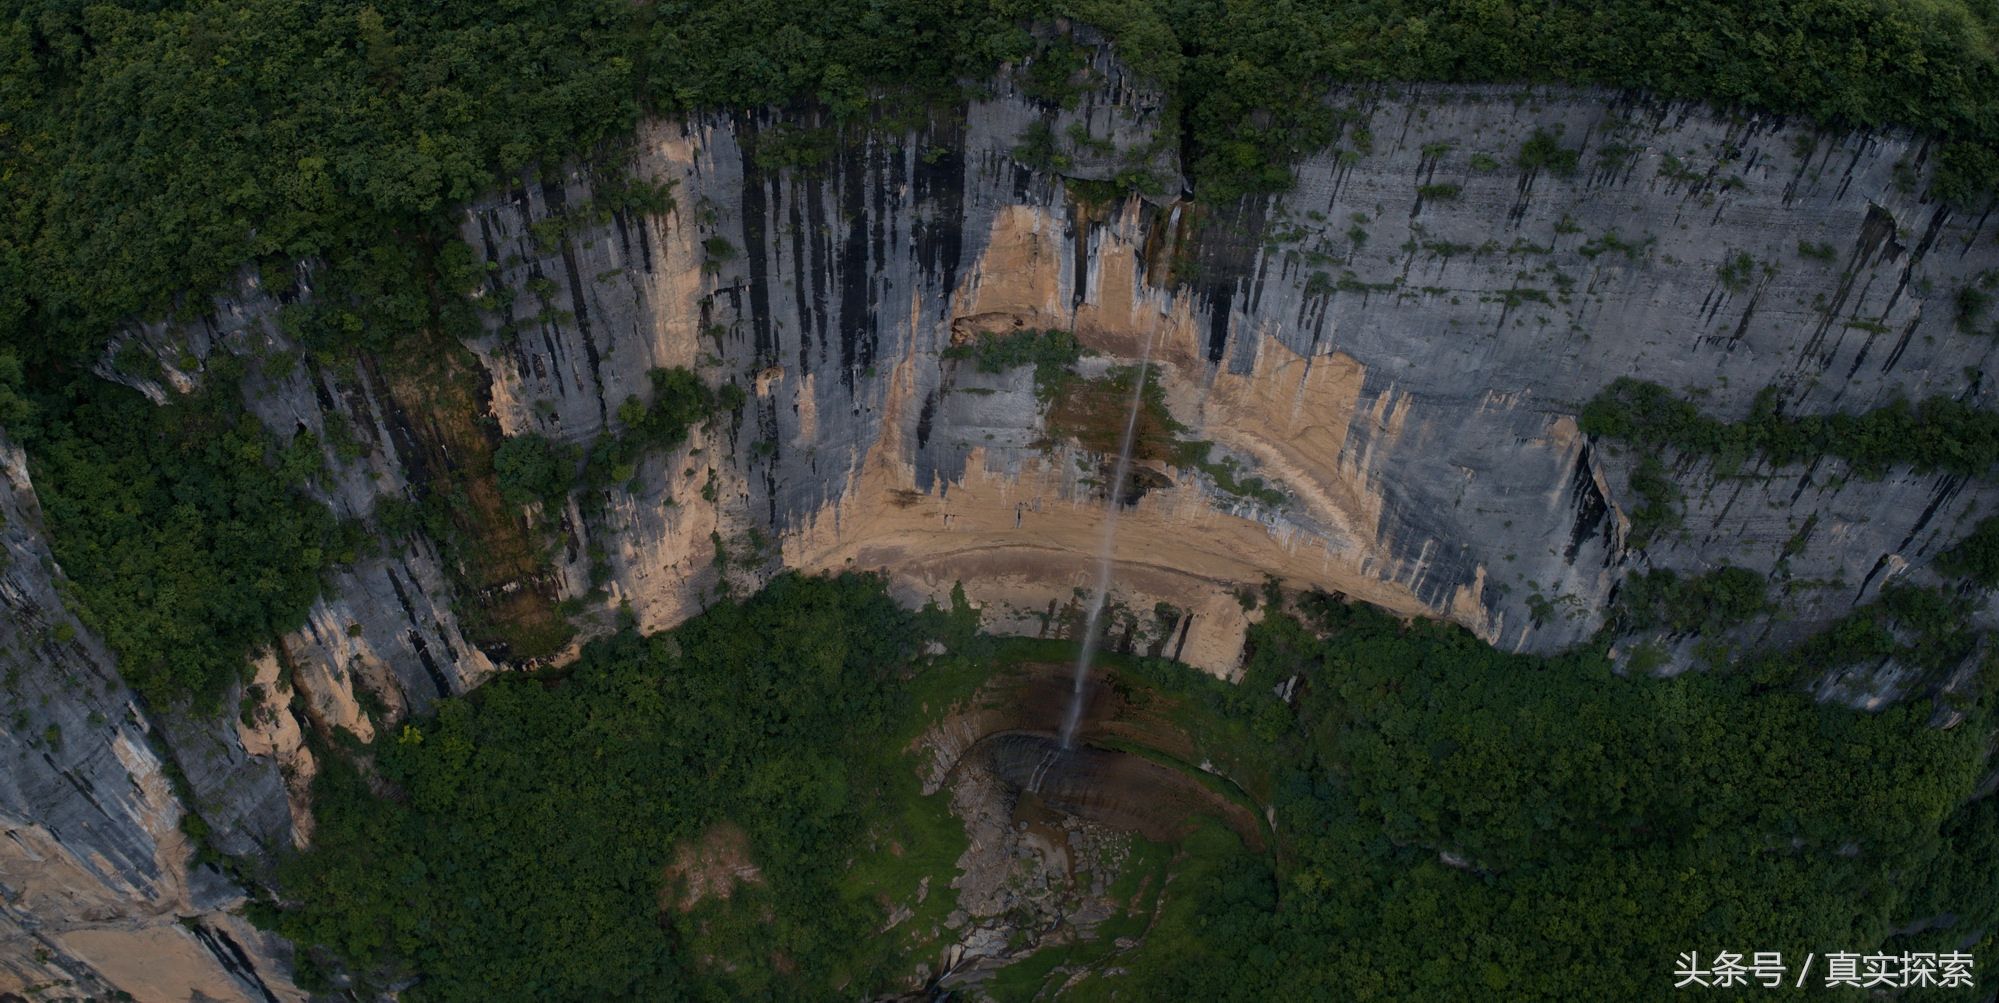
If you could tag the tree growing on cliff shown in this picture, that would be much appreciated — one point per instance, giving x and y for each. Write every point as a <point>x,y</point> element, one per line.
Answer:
<point>530,469</point>
<point>182,533</point>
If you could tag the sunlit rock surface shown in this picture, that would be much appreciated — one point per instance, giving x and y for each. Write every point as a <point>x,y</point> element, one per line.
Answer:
<point>1405,369</point>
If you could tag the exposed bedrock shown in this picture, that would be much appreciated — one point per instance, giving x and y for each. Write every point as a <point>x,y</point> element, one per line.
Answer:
<point>99,886</point>
<point>1403,365</point>
<point>1398,346</point>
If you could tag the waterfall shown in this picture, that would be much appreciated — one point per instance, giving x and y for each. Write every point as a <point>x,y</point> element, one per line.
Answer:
<point>1074,716</point>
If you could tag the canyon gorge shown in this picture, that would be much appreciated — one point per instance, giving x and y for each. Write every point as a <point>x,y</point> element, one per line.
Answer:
<point>1369,385</point>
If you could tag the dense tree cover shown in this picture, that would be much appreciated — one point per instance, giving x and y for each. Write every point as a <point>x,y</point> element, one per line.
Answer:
<point>183,529</point>
<point>1926,629</point>
<point>1934,434</point>
<point>1709,603</point>
<point>155,148</point>
<point>533,468</point>
<point>520,837</point>
<point>15,408</point>
<point>680,400</point>
<point>1250,70</point>
<point>1976,557</point>
<point>1463,823</point>
<point>1656,508</point>
<point>1453,821</point>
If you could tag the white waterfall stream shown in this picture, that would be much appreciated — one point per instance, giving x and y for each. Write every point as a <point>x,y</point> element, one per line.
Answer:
<point>1074,715</point>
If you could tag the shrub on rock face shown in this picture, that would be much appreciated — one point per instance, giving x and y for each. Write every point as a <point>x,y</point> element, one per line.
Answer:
<point>1976,557</point>
<point>1545,149</point>
<point>531,468</point>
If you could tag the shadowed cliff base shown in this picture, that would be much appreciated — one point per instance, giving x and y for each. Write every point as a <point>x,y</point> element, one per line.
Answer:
<point>1123,790</point>
<point>1074,854</point>
<point>1131,767</point>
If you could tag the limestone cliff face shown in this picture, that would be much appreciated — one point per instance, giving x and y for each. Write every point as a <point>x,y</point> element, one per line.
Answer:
<point>98,888</point>
<point>1399,345</point>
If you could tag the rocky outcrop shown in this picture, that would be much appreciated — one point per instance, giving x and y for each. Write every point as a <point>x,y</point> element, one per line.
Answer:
<point>99,888</point>
<point>1399,346</point>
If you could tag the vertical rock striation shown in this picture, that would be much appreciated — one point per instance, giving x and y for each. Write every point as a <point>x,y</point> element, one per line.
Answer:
<point>99,889</point>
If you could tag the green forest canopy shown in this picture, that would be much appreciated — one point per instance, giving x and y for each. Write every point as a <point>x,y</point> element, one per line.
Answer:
<point>152,147</point>
<point>1597,825</point>
<point>1601,824</point>
<point>181,530</point>
<point>534,820</point>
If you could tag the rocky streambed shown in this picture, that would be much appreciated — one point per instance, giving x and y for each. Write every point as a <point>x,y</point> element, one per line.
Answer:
<point>1069,849</point>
